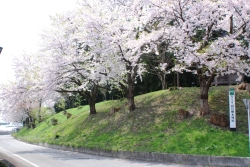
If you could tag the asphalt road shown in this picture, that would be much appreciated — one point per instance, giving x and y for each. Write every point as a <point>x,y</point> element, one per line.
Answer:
<point>22,154</point>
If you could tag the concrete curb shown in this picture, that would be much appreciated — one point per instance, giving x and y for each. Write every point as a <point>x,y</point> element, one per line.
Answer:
<point>161,157</point>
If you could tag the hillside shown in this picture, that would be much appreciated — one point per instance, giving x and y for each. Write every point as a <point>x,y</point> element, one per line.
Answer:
<point>153,127</point>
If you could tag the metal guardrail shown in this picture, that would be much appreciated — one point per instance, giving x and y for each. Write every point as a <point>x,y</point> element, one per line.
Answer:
<point>5,133</point>
<point>2,132</point>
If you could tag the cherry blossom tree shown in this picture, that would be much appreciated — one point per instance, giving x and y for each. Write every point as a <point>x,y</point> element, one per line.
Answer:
<point>121,46</point>
<point>100,44</point>
<point>208,37</point>
<point>20,97</point>
<point>10,104</point>
<point>93,47</point>
<point>75,63</point>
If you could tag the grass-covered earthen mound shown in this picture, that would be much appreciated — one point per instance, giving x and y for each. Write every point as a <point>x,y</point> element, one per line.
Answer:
<point>153,127</point>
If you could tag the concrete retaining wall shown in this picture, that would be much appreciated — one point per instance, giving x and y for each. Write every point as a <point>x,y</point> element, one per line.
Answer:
<point>162,157</point>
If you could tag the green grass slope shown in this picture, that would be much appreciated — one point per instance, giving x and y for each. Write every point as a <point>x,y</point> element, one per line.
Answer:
<point>153,127</point>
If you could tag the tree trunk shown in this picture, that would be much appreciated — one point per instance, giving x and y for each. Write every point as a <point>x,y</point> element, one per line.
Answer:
<point>164,85</point>
<point>33,124</point>
<point>91,103</point>
<point>91,97</point>
<point>27,122</point>
<point>130,93</point>
<point>30,122</point>
<point>130,97</point>
<point>231,25</point>
<point>39,111</point>
<point>178,79</point>
<point>163,82</point>
<point>204,99</point>
<point>129,88</point>
<point>205,83</point>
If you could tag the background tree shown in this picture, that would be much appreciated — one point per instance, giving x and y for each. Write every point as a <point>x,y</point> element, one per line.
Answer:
<point>160,65</point>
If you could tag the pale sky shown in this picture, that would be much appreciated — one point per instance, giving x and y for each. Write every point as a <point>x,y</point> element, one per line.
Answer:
<point>21,22</point>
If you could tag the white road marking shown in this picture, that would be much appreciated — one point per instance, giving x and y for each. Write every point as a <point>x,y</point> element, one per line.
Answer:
<point>20,157</point>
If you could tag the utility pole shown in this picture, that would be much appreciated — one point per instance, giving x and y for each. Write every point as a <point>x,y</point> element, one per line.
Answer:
<point>1,48</point>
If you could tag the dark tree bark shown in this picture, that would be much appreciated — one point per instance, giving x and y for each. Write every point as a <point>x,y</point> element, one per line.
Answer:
<point>231,25</point>
<point>91,97</point>
<point>91,103</point>
<point>30,122</point>
<point>205,80</point>
<point>205,83</point>
<point>204,88</point>
<point>131,76</point>
<point>178,79</point>
<point>163,82</point>
<point>130,93</point>
<point>129,88</point>
<point>39,111</point>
